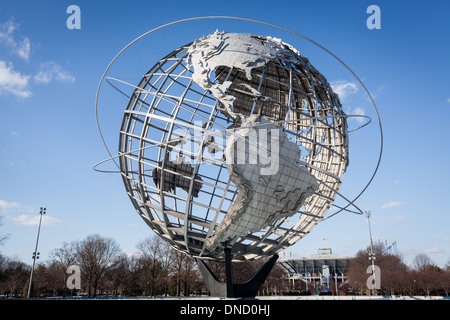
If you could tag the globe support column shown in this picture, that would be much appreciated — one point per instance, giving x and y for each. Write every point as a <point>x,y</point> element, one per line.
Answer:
<point>248,289</point>
<point>229,272</point>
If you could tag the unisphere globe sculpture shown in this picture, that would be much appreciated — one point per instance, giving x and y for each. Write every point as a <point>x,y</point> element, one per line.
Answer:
<point>234,140</point>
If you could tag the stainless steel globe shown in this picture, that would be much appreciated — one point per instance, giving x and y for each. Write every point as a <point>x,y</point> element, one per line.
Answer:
<point>182,163</point>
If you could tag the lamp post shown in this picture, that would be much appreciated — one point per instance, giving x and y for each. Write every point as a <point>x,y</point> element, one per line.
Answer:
<point>35,253</point>
<point>415,285</point>
<point>371,255</point>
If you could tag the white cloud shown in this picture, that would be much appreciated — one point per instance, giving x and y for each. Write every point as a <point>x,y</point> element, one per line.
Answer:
<point>391,204</point>
<point>359,112</point>
<point>10,207</point>
<point>356,114</point>
<point>448,100</point>
<point>6,206</point>
<point>344,88</point>
<point>378,92</point>
<point>51,70</point>
<point>7,31</point>
<point>24,215</point>
<point>22,48</point>
<point>33,220</point>
<point>13,82</point>
<point>432,250</point>
<point>392,219</point>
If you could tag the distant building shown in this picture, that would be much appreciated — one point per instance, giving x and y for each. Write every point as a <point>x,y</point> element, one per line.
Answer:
<point>318,270</point>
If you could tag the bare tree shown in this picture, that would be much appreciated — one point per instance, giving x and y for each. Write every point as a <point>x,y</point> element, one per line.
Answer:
<point>95,255</point>
<point>357,275</point>
<point>182,268</point>
<point>275,281</point>
<point>166,260</point>
<point>16,275</point>
<point>53,281</point>
<point>421,262</point>
<point>189,274</point>
<point>150,255</point>
<point>64,257</point>
<point>391,267</point>
<point>427,273</point>
<point>117,273</point>
<point>243,271</point>
<point>3,238</point>
<point>446,279</point>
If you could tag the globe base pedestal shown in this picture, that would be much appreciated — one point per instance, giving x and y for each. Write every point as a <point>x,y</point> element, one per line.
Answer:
<point>248,289</point>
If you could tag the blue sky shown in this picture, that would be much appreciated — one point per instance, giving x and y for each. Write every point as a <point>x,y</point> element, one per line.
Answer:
<point>49,140</point>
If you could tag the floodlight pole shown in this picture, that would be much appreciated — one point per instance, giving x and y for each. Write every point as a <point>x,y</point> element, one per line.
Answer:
<point>35,253</point>
<point>371,255</point>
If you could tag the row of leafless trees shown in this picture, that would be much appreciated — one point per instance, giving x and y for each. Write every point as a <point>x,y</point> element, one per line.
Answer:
<point>156,270</point>
<point>159,270</point>
<point>396,278</point>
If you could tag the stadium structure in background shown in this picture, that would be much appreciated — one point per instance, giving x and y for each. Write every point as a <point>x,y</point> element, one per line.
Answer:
<point>321,272</point>
<point>233,147</point>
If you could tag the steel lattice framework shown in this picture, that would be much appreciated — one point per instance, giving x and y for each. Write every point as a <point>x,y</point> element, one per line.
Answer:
<point>184,202</point>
